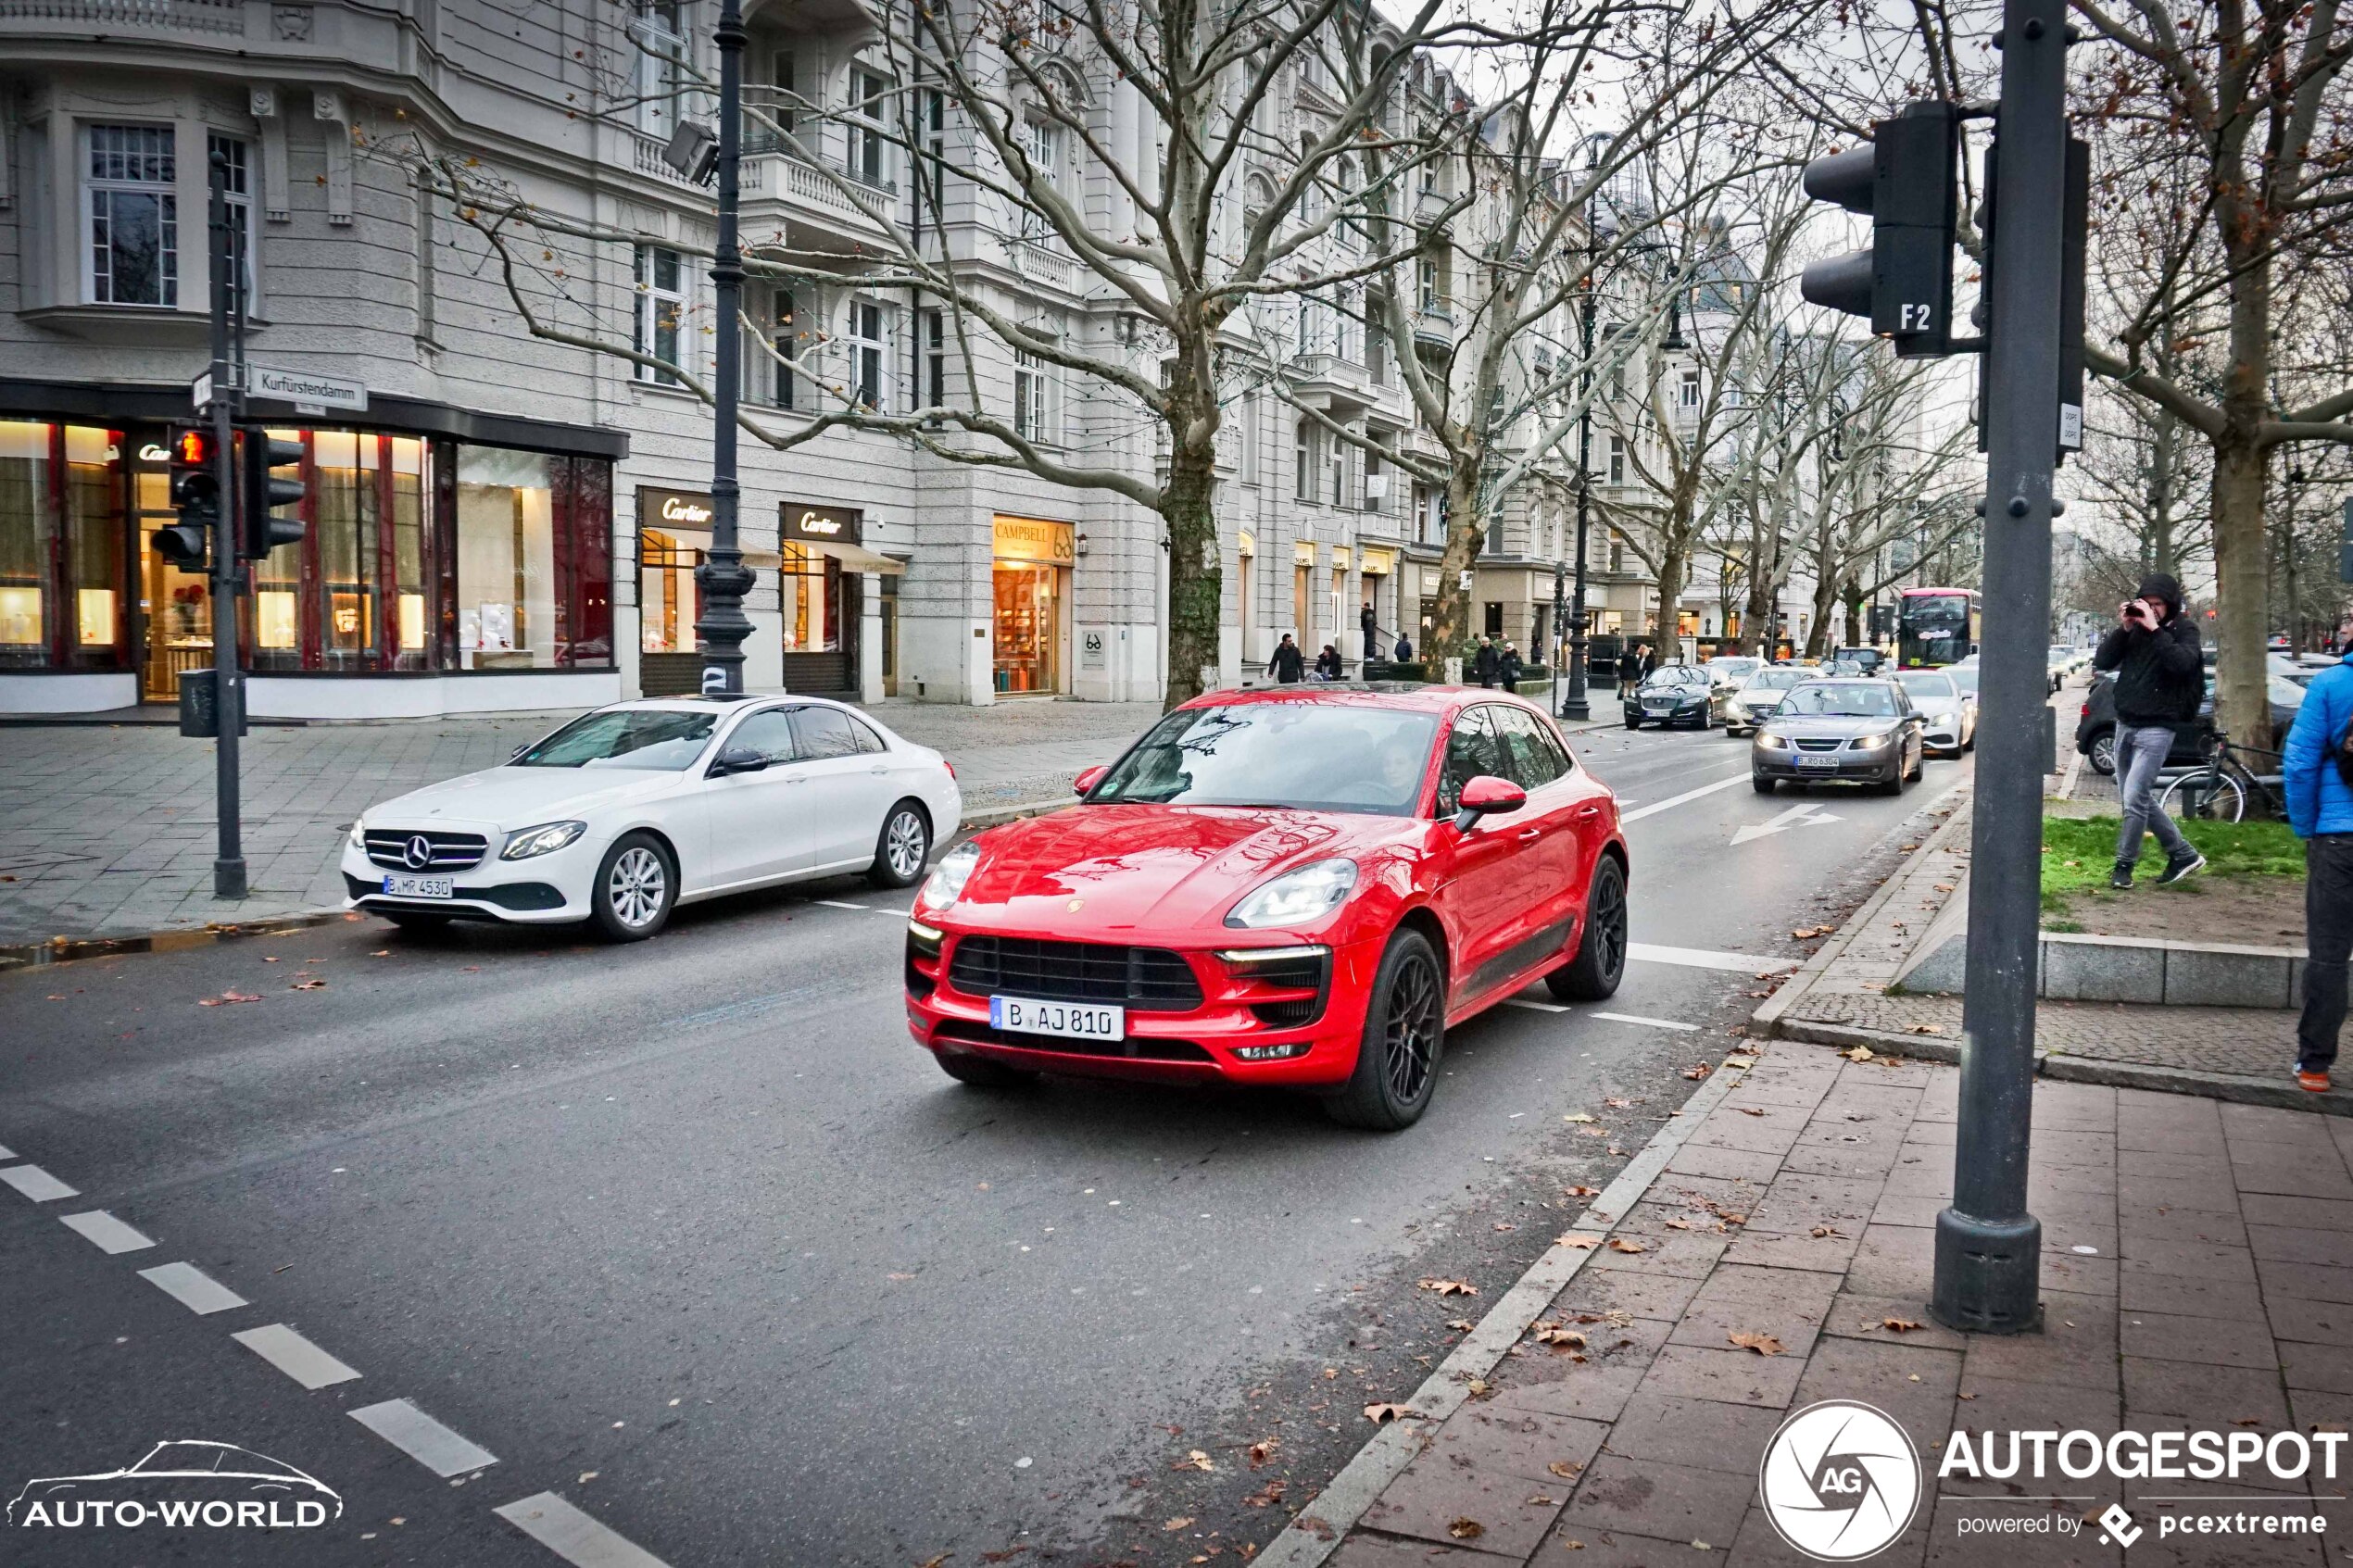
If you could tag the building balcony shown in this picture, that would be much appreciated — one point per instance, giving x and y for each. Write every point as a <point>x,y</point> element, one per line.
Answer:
<point>1333,383</point>
<point>783,188</point>
<point>1043,265</point>
<point>1434,327</point>
<point>83,17</point>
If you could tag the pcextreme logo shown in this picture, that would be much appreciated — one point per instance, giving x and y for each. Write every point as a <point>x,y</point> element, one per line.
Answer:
<point>181,1486</point>
<point>1840,1481</point>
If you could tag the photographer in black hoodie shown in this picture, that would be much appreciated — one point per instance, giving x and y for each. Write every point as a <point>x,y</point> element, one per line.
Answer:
<point>2161,674</point>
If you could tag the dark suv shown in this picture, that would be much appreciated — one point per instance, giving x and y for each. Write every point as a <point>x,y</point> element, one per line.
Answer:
<point>2096,724</point>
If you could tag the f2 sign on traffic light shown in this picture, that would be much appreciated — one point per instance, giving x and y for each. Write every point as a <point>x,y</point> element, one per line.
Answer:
<point>195,496</point>
<point>1907,179</point>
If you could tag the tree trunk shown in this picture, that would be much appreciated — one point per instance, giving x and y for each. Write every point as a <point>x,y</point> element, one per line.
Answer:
<point>1853,615</point>
<point>1450,626</point>
<point>1195,578</point>
<point>2241,707</point>
<point>1672,568</point>
<point>1818,637</point>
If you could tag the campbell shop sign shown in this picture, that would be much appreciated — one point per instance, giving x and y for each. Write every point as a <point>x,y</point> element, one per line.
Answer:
<point>674,508</point>
<point>821,525</point>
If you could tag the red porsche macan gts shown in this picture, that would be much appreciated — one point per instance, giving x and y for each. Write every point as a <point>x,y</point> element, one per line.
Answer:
<point>1305,886</point>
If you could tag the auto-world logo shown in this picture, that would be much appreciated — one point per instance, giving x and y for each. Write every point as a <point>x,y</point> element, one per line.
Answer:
<point>1840,1481</point>
<point>181,1486</point>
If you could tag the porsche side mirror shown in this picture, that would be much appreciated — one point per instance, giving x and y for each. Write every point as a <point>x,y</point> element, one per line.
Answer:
<point>1089,778</point>
<point>1486,795</point>
<point>739,759</point>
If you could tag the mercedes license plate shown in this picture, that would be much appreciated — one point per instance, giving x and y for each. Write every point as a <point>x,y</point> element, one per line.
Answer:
<point>419,887</point>
<point>1077,1021</point>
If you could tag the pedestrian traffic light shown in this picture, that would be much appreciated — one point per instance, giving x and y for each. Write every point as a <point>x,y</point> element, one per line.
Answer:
<point>195,496</point>
<point>1907,180</point>
<point>261,530</point>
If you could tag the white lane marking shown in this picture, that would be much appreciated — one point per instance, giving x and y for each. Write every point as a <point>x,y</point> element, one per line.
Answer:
<point>1806,815</point>
<point>838,904</point>
<point>1658,805</point>
<point>547,1518</point>
<point>192,1287</point>
<point>294,1356</point>
<point>37,1183</point>
<point>423,1439</point>
<point>1653,1023</point>
<point>1701,957</point>
<point>110,1234</point>
<point>6,1153</point>
<point>1533,1005</point>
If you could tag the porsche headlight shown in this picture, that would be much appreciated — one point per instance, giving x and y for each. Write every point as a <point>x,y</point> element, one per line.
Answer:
<point>1295,898</point>
<point>545,840</point>
<point>948,878</point>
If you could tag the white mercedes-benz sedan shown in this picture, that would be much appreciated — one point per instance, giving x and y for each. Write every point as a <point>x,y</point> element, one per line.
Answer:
<point>626,813</point>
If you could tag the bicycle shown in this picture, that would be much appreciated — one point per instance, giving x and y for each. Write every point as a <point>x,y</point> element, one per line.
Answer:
<point>2220,791</point>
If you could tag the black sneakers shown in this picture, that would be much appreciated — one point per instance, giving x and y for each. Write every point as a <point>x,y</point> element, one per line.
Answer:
<point>2121,877</point>
<point>2176,869</point>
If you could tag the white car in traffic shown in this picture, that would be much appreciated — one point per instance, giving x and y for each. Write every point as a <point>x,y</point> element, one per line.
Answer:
<point>626,813</point>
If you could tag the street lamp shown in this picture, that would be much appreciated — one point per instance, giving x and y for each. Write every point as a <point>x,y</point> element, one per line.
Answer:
<point>722,627</point>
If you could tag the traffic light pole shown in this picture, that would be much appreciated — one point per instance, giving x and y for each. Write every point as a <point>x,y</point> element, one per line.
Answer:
<point>1988,1246</point>
<point>229,859</point>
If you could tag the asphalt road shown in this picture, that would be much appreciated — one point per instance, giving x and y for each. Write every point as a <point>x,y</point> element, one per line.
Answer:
<point>692,1235</point>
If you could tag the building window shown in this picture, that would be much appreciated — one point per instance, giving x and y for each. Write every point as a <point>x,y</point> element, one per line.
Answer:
<point>132,216</point>
<point>786,337</point>
<point>935,358</point>
<point>60,548</point>
<point>661,301</point>
<point>1304,446</point>
<point>1617,552</point>
<point>1617,459</point>
<point>931,111</point>
<point>236,158</point>
<point>658,35</point>
<point>1033,397</point>
<point>869,106</point>
<point>534,561</point>
<point>1426,276</point>
<point>1246,438</point>
<point>1688,392</point>
<point>869,355</point>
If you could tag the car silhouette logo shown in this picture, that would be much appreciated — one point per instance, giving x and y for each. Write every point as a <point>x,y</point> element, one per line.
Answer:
<point>178,1472</point>
<point>418,853</point>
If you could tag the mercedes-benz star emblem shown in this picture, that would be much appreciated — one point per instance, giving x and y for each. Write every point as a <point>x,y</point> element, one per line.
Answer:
<point>417,853</point>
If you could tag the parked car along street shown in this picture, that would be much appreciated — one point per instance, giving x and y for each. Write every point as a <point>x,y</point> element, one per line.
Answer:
<point>624,813</point>
<point>1858,731</point>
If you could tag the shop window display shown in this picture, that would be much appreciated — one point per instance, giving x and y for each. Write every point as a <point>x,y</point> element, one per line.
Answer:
<point>61,547</point>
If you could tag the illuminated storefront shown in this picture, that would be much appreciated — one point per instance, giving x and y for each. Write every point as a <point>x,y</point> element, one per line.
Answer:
<point>820,588</point>
<point>1031,581</point>
<point>421,555</point>
<point>673,537</point>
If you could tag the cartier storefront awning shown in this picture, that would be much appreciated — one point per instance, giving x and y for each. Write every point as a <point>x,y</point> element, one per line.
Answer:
<point>837,532</point>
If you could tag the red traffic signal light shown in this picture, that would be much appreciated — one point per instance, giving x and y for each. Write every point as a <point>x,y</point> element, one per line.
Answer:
<point>191,447</point>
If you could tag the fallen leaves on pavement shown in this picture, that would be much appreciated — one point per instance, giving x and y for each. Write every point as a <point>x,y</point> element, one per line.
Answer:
<point>1384,1412</point>
<point>1581,1190</point>
<point>307,983</point>
<point>1567,1470</point>
<point>1619,1244</point>
<point>1860,1053</point>
<point>1449,1287</point>
<point>1195,1459</point>
<point>226,998</point>
<point>1577,1116</point>
<point>1899,1326</point>
<point>1806,933</point>
<point>1267,1497</point>
<point>1466,1529</point>
<point>1461,1325</point>
<point>1819,1232</point>
<point>1763,1344</point>
<point>1928,1028</point>
<point>1180,1521</point>
<point>1263,1450</point>
<point>1748,1111</point>
<point>1697,1070</point>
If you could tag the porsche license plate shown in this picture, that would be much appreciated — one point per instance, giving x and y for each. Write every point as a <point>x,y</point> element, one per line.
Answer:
<point>1077,1021</point>
<point>419,887</point>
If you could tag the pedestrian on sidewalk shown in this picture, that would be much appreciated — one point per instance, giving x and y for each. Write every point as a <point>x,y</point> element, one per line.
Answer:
<point>2320,807</point>
<point>1630,667</point>
<point>2160,677</point>
<point>1288,664</point>
<point>1488,662</point>
<point>1403,652</point>
<point>1372,632</point>
<point>1511,665</point>
<point>1328,664</point>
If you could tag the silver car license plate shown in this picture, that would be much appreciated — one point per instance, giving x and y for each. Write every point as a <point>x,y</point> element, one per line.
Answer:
<point>1076,1021</point>
<point>397,886</point>
<point>1818,761</point>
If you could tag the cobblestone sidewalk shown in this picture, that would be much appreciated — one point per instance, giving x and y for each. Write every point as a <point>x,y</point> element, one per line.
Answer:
<point>2191,1252</point>
<point>108,832</point>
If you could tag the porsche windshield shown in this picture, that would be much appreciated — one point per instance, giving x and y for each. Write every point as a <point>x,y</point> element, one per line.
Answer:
<point>1309,755</point>
<point>1840,699</point>
<point>662,739</point>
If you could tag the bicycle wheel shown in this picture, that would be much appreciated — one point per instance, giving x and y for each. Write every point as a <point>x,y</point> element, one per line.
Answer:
<point>2205,797</point>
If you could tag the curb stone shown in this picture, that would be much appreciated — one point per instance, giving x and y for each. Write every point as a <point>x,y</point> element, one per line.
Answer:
<point>1317,1531</point>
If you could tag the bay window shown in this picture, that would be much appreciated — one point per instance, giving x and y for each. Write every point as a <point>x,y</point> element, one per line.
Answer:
<point>131,216</point>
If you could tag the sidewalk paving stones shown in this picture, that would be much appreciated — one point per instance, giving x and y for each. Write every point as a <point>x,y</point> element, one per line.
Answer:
<point>1698,1346</point>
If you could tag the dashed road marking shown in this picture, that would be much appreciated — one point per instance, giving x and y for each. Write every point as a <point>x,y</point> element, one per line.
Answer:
<point>423,1439</point>
<point>1701,957</point>
<point>6,1153</point>
<point>1533,1005</point>
<point>37,1183</point>
<point>1658,805</point>
<point>294,1356</point>
<point>1653,1023</point>
<point>110,1234</point>
<point>838,904</point>
<point>579,1539</point>
<point>193,1288</point>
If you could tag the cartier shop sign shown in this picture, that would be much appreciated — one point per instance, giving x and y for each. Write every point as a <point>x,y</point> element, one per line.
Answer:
<point>821,525</point>
<point>689,509</point>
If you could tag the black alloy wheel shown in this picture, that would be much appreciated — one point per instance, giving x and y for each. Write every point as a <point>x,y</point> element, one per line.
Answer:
<point>1404,1034</point>
<point>1592,975</point>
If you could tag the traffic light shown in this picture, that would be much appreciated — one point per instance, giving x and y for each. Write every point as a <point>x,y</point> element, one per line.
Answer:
<point>1908,181</point>
<point>260,532</point>
<point>2074,234</point>
<point>195,496</point>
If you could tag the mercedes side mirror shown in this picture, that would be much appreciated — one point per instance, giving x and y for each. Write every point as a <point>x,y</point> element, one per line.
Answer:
<point>1487,795</point>
<point>739,759</point>
<point>1089,779</point>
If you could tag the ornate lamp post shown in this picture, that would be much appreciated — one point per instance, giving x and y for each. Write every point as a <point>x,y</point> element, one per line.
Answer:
<point>722,627</point>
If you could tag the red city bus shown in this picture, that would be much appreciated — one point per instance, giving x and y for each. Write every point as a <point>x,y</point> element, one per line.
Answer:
<point>1935,626</point>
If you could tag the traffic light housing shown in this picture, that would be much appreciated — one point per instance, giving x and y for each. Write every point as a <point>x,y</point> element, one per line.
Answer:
<point>261,530</point>
<point>195,496</point>
<point>1908,180</point>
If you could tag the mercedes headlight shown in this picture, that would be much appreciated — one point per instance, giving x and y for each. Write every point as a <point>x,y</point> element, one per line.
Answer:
<point>1869,743</point>
<point>948,878</point>
<point>358,834</point>
<point>545,840</point>
<point>1295,898</point>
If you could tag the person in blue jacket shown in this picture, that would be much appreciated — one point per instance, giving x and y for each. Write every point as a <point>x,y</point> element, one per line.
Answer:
<point>2320,807</point>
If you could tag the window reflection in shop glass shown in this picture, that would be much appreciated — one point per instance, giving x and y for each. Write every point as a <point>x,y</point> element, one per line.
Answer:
<point>668,597</point>
<point>506,561</point>
<point>810,585</point>
<point>1028,628</point>
<point>61,545</point>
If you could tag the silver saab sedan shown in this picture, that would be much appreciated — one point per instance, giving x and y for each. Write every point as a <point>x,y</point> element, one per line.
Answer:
<point>1859,731</point>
